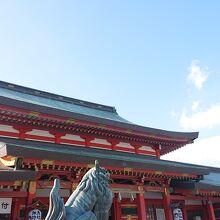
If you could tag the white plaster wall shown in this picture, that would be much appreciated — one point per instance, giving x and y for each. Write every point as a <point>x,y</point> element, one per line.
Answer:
<point>100,141</point>
<point>8,128</point>
<point>40,133</point>
<point>73,137</point>
<point>147,148</point>
<point>125,145</point>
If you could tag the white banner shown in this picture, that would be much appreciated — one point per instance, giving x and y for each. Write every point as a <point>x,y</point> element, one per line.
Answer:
<point>5,205</point>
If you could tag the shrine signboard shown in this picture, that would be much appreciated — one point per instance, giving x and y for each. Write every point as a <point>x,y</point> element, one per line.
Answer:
<point>5,205</point>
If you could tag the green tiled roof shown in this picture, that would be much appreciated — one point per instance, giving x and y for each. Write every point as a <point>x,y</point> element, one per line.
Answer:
<point>80,108</point>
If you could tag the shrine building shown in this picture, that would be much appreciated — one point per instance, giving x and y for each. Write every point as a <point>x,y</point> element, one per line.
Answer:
<point>44,136</point>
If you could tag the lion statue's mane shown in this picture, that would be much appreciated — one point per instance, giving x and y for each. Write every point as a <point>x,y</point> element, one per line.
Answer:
<point>91,200</point>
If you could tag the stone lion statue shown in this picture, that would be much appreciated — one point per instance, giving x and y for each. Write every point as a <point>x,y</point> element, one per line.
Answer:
<point>91,200</point>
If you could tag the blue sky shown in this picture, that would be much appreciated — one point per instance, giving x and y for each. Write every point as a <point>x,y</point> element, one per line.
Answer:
<point>157,62</point>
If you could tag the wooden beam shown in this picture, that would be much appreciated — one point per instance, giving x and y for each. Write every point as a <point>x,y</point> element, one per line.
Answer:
<point>13,194</point>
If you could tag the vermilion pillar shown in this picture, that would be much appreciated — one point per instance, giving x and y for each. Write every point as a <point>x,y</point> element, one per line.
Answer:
<point>15,209</point>
<point>158,153</point>
<point>211,212</point>
<point>166,203</point>
<point>141,204</point>
<point>184,213</point>
<point>31,196</point>
<point>117,208</point>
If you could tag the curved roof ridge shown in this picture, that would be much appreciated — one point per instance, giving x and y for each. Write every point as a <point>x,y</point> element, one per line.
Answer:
<point>40,93</point>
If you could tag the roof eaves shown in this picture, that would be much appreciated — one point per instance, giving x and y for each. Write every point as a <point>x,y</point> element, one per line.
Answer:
<point>189,136</point>
<point>51,151</point>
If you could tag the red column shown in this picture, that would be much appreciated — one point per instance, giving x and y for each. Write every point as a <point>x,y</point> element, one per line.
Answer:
<point>184,213</point>
<point>158,153</point>
<point>210,210</point>
<point>141,204</point>
<point>15,209</point>
<point>166,203</point>
<point>31,196</point>
<point>117,208</point>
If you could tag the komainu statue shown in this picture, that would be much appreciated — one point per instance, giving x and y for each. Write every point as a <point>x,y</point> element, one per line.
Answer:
<point>91,200</point>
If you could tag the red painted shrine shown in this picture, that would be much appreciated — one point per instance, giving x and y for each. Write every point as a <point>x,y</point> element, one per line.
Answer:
<point>44,136</point>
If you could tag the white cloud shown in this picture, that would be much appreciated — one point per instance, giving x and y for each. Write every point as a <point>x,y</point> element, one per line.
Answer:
<point>205,152</point>
<point>201,119</point>
<point>197,74</point>
<point>195,105</point>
